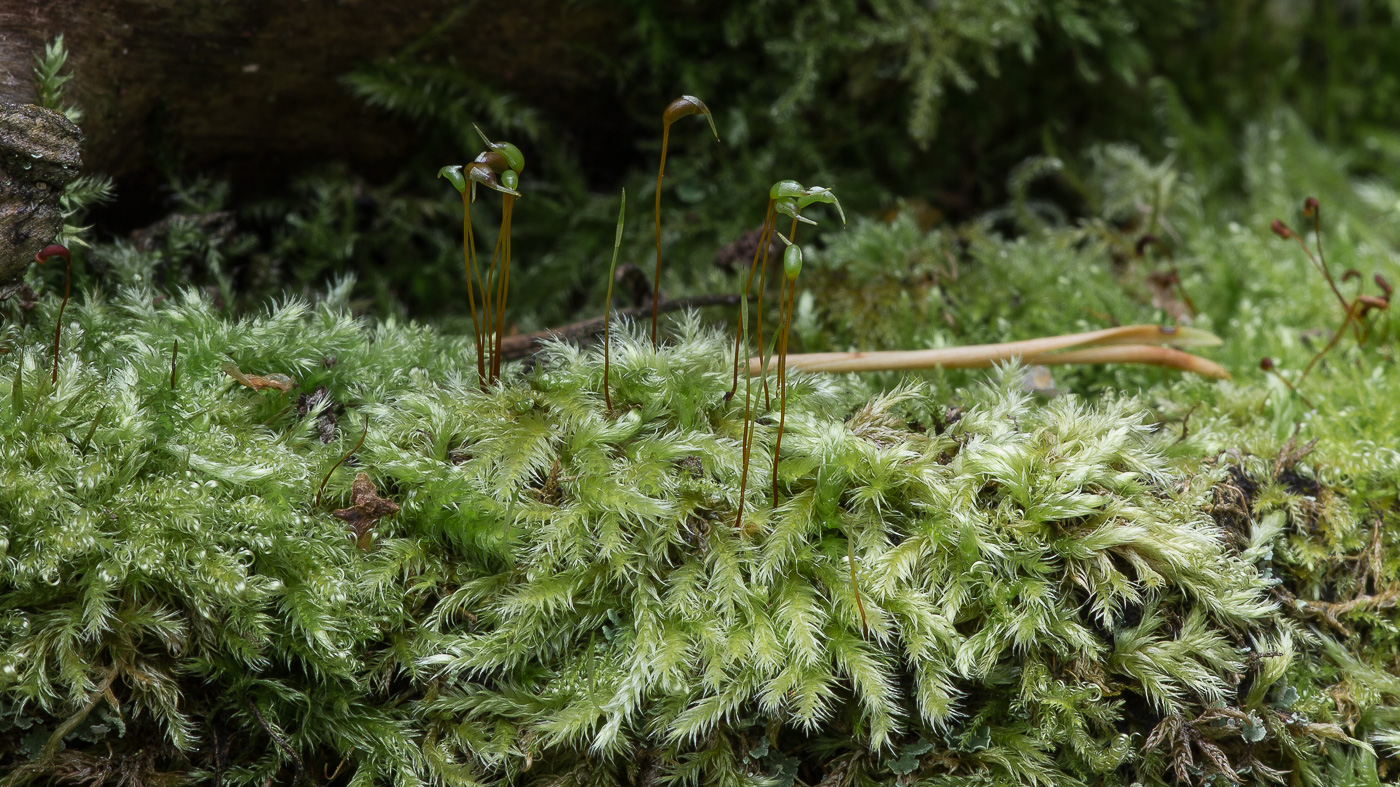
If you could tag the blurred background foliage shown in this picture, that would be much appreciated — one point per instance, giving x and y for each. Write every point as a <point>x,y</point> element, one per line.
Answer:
<point>901,105</point>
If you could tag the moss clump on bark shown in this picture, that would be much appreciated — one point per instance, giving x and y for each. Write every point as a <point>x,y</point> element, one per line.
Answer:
<point>1052,593</point>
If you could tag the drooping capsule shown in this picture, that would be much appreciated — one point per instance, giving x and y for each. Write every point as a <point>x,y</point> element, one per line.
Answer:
<point>688,105</point>
<point>480,173</point>
<point>53,250</point>
<point>823,195</point>
<point>454,176</point>
<point>685,105</point>
<point>510,155</point>
<point>790,198</point>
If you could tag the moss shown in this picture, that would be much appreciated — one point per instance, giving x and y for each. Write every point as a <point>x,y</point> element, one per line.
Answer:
<point>1142,580</point>
<point>564,593</point>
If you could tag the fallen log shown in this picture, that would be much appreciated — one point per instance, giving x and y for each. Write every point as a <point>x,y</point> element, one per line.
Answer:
<point>253,85</point>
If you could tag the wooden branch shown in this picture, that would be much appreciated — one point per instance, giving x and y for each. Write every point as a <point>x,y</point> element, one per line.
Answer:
<point>513,348</point>
<point>1386,600</point>
<point>1169,357</point>
<point>1129,344</point>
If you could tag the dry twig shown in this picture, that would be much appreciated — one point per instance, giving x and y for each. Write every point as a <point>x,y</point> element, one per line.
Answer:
<point>1129,344</point>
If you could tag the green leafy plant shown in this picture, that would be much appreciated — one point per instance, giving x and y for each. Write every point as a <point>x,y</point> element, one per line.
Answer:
<point>87,190</point>
<point>50,79</point>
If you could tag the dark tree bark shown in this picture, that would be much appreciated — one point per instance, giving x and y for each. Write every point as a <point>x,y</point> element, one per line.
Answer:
<point>39,155</point>
<point>253,83</point>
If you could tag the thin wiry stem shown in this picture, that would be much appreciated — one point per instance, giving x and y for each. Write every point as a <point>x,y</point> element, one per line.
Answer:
<point>495,316</point>
<point>607,308</point>
<point>1271,370</point>
<point>507,209</point>
<point>1322,258</point>
<point>762,284</point>
<point>1336,337</point>
<point>488,302</point>
<point>341,461</point>
<point>469,261</point>
<point>786,316</point>
<point>792,238</point>
<point>855,587</point>
<point>767,243</point>
<point>747,423</point>
<point>656,282</point>
<point>58,329</point>
<point>685,105</point>
<point>765,238</point>
<point>1322,267</point>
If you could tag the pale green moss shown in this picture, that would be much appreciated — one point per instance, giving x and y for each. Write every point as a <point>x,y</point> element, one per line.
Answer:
<point>565,590</point>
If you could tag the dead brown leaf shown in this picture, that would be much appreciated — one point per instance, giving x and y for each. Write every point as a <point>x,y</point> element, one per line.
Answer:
<point>366,509</point>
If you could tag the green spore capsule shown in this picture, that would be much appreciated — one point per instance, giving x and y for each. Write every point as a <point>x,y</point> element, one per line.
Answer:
<point>514,157</point>
<point>510,179</point>
<point>824,196</point>
<point>792,262</point>
<point>786,188</point>
<point>454,176</point>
